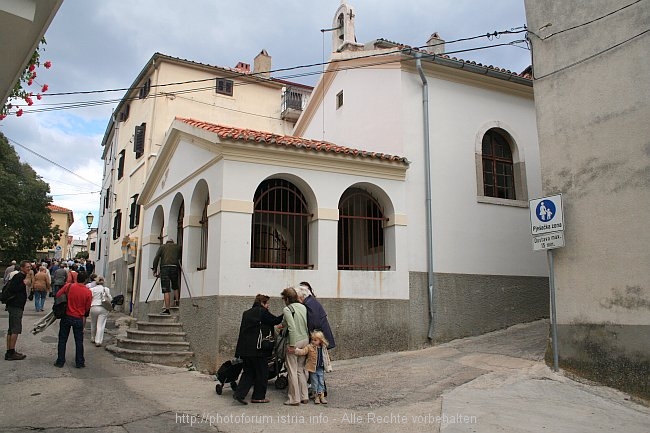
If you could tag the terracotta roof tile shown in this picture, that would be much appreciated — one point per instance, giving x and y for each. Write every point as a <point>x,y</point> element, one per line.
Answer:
<point>288,141</point>
<point>55,208</point>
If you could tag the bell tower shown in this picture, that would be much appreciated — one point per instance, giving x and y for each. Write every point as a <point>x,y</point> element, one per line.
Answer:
<point>343,37</point>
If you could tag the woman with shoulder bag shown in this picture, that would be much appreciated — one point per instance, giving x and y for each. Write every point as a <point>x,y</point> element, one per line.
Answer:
<point>256,323</point>
<point>40,286</point>
<point>98,312</point>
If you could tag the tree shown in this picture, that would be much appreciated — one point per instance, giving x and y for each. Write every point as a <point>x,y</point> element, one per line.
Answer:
<point>82,255</point>
<point>25,220</point>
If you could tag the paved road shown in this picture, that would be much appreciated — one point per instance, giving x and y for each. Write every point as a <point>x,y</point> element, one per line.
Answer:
<point>492,383</point>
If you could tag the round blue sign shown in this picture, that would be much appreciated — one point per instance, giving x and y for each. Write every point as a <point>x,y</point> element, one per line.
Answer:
<point>545,211</point>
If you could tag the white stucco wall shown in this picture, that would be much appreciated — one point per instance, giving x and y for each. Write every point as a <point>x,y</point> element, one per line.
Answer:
<point>382,112</point>
<point>232,185</point>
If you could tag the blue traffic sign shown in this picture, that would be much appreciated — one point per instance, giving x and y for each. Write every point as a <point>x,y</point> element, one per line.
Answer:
<point>545,211</point>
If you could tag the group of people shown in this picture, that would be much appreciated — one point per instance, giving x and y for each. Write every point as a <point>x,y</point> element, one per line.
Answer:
<point>47,277</point>
<point>305,324</point>
<point>85,293</point>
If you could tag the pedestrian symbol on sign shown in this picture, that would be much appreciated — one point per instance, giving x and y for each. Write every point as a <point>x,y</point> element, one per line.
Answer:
<point>545,210</point>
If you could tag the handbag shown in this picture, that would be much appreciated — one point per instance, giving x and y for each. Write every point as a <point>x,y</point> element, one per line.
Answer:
<point>265,343</point>
<point>105,302</point>
<point>31,295</point>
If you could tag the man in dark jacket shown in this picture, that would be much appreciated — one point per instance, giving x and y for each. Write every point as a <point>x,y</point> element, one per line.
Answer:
<point>15,306</point>
<point>169,259</point>
<point>256,369</point>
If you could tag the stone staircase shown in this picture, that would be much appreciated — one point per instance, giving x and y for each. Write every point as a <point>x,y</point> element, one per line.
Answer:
<point>159,340</point>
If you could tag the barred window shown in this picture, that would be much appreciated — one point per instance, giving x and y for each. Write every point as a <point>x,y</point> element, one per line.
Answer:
<point>203,253</point>
<point>280,231</point>
<point>361,232</point>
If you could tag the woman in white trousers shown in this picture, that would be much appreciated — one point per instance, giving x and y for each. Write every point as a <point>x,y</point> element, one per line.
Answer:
<point>98,313</point>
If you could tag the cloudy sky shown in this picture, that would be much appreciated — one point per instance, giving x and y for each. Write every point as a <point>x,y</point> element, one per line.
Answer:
<point>101,45</point>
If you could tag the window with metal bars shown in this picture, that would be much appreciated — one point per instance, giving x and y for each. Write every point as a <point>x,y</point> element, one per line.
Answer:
<point>361,232</point>
<point>203,253</point>
<point>179,224</point>
<point>498,174</point>
<point>280,231</point>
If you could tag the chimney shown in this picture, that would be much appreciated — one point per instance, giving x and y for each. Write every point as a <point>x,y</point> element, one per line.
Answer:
<point>435,44</point>
<point>262,65</point>
<point>244,68</point>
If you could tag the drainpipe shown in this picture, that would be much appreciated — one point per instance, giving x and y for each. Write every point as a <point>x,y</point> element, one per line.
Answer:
<point>427,171</point>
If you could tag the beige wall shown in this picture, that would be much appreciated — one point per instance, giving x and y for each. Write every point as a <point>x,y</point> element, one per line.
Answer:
<point>591,93</point>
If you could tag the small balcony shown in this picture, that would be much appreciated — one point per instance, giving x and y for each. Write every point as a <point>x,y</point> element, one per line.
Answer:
<point>294,101</point>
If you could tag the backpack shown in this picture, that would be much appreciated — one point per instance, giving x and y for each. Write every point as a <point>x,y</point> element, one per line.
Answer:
<point>61,303</point>
<point>6,294</point>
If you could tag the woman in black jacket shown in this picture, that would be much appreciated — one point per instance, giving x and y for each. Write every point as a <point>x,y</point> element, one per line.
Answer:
<point>256,369</point>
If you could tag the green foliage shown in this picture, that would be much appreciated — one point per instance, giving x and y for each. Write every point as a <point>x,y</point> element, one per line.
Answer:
<point>25,221</point>
<point>82,255</point>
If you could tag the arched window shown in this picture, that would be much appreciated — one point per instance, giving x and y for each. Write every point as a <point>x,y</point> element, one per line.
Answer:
<point>361,232</point>
<point>203,253</point>
<point>179,224</point>
<point>280,232</point>
<point>498,173</point>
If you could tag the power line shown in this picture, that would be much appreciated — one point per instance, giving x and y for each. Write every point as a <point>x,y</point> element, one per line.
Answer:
<point>58,107</point>
<point>76,193</point>
<point>585,23</point>
<point>590,57</point>
<point>494,34</point>
<point>52,162</point>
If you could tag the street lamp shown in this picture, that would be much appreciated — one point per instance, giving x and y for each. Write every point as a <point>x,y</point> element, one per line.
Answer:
<point>89,219</point>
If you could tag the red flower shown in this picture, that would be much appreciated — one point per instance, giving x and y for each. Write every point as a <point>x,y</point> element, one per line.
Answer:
<point>39,96</point>
<point>31,68</point>
<point>19,113</point>
<point>2,116</point>
<point>45,87</point>
<point>47,64</point>
<point>30,102</point>
<point>33,75</point>
<point>29,83</point>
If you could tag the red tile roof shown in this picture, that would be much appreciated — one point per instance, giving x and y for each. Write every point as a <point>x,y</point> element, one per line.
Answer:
<point>55,208</point>
<point>288,141</point>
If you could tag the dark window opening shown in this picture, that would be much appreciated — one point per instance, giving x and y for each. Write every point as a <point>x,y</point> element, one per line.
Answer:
<point>92,246</point>
<point>117,224</point>
<point>203,252</point>
<point>138,140</point>
<point>144,89</point>
<point>361,232</point>
<point>498,174</point>
<point>120,164</point>
<point>339,99</point>
<point>124,114</point>
<point>280,231</point>
<point>224,86</point>
<point>134,214</point>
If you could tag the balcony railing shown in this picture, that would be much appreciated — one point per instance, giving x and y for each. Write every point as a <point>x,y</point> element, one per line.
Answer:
<point>294,101</point>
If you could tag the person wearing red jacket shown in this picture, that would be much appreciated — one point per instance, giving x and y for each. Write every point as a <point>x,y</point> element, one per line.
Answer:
<point>78,308</point>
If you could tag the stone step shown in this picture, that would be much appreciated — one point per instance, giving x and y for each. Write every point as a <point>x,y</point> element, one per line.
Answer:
<point>137,334</point>
<point>160,327</point>
<point>162,318</point>
<point>178,358</point>
<point>155,346</point>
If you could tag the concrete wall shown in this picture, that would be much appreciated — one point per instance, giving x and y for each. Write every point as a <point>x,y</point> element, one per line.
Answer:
<point>212,326</point>
<point>467,305</point>
<point>591,93</point>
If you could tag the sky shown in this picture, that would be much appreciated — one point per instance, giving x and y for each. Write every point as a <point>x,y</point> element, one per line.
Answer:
<point>97,45</point>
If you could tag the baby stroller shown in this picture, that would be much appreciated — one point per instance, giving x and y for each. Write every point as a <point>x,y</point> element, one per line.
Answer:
<point>230,371</point>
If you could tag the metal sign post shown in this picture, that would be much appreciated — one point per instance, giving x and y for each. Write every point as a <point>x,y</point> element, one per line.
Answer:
<point>551,285</point>
<point>547,228</point>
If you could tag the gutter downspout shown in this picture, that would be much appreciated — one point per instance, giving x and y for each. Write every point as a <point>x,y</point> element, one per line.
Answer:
<point>427,171</point>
